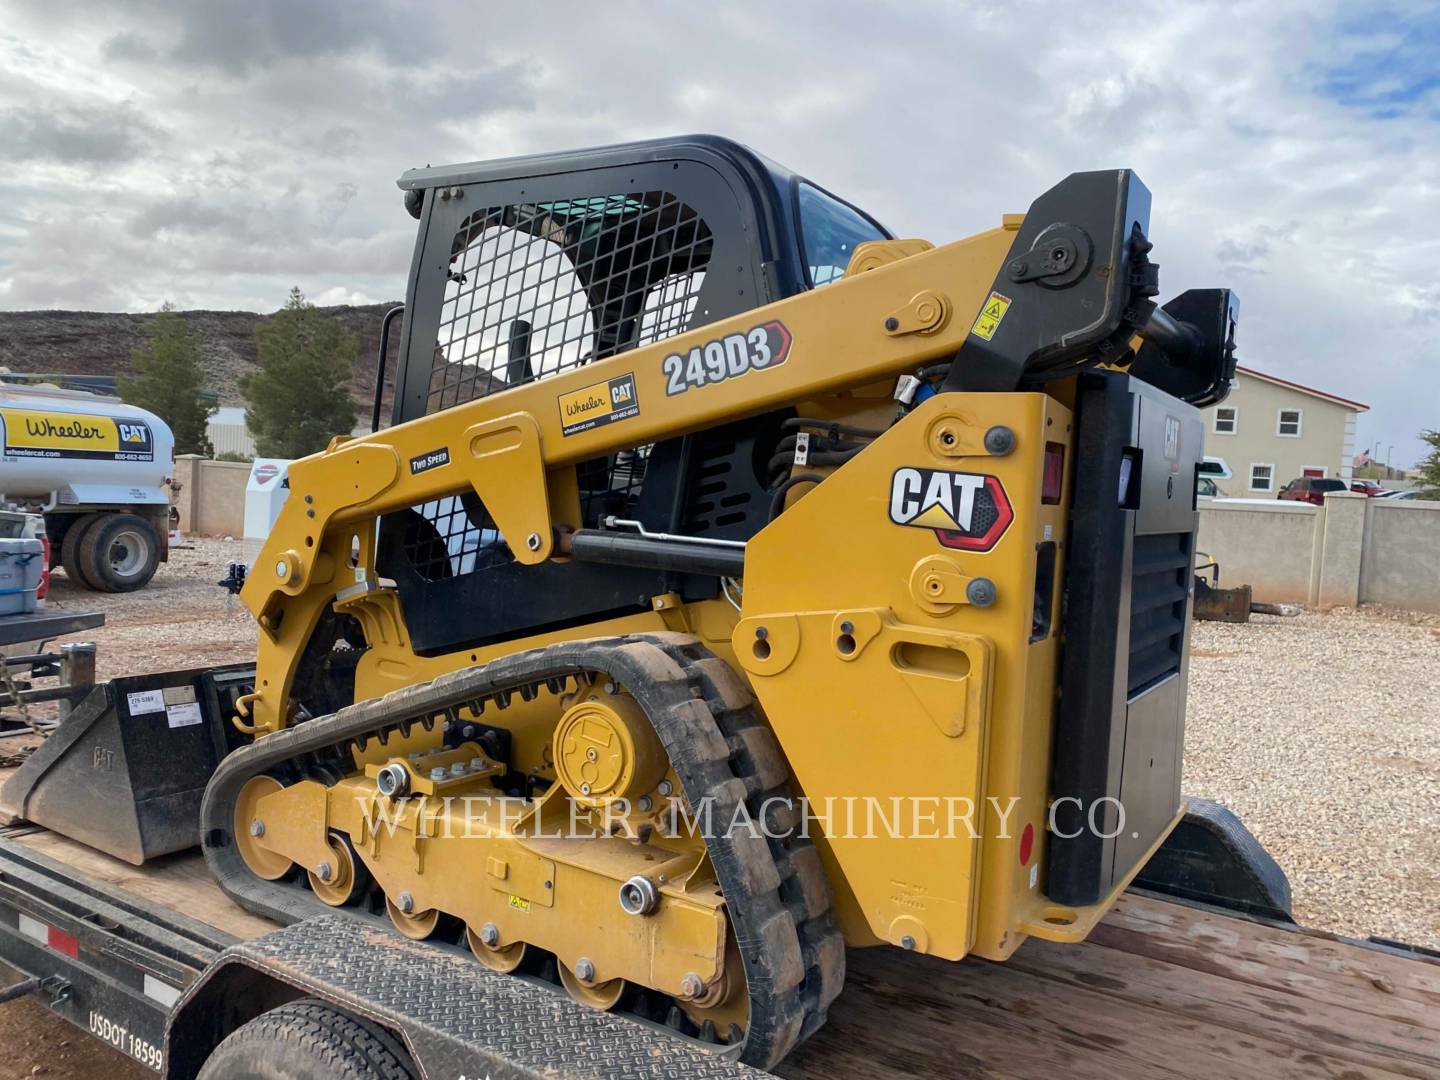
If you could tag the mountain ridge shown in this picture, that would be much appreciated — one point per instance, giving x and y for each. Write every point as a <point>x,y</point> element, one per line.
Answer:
<point>50,341</point>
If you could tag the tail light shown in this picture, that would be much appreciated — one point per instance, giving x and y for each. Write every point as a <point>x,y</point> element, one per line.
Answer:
<point>1052,480</point>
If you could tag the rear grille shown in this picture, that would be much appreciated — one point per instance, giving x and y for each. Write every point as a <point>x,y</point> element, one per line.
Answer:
<point>1159,585</point>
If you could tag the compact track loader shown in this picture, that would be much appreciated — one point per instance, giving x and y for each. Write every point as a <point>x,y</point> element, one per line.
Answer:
<point>737,583</point>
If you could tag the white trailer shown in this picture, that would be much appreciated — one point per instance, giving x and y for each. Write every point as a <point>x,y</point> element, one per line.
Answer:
<point>100,471</point>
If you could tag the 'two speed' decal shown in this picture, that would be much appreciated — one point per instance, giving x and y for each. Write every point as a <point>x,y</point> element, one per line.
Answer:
<point>757,349</point>
<point>966,511</point>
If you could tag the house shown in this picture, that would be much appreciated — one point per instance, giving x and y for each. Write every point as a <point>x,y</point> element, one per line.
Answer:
<point>1271,430</point>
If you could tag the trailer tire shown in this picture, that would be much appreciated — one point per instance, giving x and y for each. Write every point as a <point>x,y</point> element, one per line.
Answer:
<point>119,553</point>
<point>70,549</point>
<point>308,1040</point>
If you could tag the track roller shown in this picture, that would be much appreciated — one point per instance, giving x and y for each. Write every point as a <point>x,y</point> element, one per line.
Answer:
<point>603,996</point>
<point>340,881</point>
<point>413,924</point>
<point>496,957</point>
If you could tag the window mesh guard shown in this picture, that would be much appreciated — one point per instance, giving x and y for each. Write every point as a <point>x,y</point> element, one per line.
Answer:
<point>538,289</point>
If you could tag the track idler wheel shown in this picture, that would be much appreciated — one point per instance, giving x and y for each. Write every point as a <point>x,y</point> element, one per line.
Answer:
<point>250,830</point>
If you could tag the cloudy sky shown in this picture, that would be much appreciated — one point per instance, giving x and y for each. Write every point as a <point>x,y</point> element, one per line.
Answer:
<point>213,154</point>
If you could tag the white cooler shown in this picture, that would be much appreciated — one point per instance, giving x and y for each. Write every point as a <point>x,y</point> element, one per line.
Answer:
<point>21,562</point>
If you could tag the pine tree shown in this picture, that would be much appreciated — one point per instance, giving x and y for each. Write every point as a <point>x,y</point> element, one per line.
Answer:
<point>299,397</point>
<point>1430,466</point>
<point>167,380</point>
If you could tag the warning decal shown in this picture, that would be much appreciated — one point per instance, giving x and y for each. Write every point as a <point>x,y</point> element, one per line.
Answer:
<point>30,433</point>
<point>988,321</point>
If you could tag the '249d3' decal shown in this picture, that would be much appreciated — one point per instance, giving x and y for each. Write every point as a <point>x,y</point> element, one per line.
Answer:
<point>760,347</point>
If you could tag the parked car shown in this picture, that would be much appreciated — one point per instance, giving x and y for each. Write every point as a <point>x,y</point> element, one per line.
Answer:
<point>1311,489</point>
<point>1371,488</point>
<point>1403,495</point>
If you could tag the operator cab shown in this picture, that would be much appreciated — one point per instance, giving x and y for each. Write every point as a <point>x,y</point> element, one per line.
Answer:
<point>532,266</point>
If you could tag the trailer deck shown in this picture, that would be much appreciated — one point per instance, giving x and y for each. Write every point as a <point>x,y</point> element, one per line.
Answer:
<point>1162,989</point>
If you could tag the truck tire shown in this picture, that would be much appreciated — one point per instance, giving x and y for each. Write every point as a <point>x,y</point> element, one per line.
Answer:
<point>119,553</point>
<point>70,549</point>
<point>308,1040</point>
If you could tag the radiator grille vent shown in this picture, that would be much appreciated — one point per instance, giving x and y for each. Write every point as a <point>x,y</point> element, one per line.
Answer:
<point>1159,585</point>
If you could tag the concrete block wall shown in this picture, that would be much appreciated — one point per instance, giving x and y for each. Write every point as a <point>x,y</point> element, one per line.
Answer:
<point>1270,545</point>
<point>211,499</point>
<point>1401,561</point>
<point>1350,551</point>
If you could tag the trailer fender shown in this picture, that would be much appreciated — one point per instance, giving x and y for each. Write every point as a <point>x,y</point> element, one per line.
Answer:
<point>451,1015</point>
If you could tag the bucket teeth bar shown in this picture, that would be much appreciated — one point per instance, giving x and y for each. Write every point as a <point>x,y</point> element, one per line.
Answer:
<point>776,894</point>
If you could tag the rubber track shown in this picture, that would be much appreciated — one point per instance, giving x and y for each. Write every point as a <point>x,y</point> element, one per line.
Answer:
<point>776,892</point>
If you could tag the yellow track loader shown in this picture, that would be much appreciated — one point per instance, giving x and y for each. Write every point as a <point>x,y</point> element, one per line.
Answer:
<point>736,583</point>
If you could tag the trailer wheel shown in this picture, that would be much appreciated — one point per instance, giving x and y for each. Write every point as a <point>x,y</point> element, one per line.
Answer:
<point>119,553</point>
<point>308,1040</point>
<point>70,549</point>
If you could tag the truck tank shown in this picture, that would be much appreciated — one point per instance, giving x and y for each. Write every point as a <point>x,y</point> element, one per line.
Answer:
<point>70,448</point>
<point>98,469</point>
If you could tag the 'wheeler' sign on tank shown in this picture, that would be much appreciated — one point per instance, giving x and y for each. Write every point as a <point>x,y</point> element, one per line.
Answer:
<point>47,434</point>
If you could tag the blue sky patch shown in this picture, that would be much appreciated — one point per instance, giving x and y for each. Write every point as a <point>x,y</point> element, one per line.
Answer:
<point>1387,63</point>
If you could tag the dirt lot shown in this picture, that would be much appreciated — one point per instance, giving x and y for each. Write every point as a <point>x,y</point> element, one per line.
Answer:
<point>1321,731</point>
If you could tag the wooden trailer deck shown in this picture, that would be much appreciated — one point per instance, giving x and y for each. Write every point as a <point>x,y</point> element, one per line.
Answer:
<point>1160,990</point>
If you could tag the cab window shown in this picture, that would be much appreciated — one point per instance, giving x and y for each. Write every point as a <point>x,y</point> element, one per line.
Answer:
<point>830,231</point>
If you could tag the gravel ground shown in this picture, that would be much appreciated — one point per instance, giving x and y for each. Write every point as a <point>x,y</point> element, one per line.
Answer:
<point>181,619</point>
<point>1322,732</point>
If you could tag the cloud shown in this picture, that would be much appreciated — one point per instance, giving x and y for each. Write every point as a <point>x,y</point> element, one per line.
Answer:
<point>1290,147</point>
<point>74,134</point>
<point>239,39</point>
<point>338,294</point>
